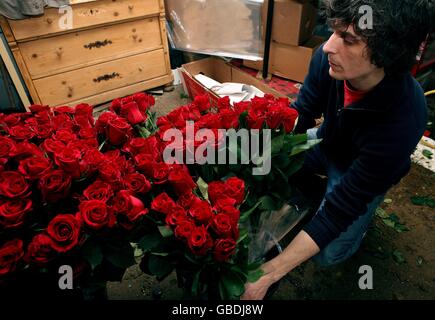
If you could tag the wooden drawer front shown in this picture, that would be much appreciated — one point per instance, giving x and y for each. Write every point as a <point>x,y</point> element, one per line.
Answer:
<point>62,53</point>
<point>83,15</point>
<point>77,84</point>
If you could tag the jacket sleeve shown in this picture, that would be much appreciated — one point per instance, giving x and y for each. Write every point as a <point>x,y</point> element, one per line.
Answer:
<point>384,158</point>
<point>311,96</point>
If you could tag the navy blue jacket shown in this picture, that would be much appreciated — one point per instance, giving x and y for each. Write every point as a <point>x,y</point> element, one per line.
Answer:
<point>372,140</point>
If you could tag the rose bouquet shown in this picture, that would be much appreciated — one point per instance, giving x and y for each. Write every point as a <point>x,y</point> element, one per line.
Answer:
<point>70,195</point>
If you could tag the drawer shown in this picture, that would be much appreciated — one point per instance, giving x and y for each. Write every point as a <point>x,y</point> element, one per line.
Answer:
<point>81,83</point>
<point>83,15</point>
<point>63,53</point>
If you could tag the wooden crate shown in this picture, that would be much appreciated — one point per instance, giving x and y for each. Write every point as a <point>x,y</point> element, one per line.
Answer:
<point>113,48</point>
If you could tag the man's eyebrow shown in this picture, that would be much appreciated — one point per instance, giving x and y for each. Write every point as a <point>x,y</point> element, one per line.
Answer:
<point>348,35</point>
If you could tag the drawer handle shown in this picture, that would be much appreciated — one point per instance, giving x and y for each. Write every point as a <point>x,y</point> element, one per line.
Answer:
<point>59,52</point>
<point>97,44</point>
<point>70,92</point>
<point>107,77</point>
<point>131,7</point>
<point>49,20</point>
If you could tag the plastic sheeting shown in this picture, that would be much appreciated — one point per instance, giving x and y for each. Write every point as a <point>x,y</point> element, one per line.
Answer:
<point>228,28</point>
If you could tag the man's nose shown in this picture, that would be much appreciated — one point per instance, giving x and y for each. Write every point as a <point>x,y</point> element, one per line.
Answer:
<point>330,46</point>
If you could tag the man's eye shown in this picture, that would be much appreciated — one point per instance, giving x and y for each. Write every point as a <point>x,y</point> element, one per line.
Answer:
<point>348,41</point>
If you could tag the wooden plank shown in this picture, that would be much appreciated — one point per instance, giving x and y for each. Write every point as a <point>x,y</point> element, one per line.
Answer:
<point>14,75</point>
<point>6,29</point>
<point>47,57</point>
<point>80,83</point>
<point>124,91</point>
<point>164,38</point>
<point>83,15</point>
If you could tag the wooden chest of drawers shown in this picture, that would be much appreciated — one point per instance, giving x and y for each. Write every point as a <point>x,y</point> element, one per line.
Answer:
<point>110,49</point>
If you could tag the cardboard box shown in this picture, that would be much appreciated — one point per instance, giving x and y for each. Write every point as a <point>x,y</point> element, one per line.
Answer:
<point>221,71</point>
<point>289,62</point>
<point>293,21</point>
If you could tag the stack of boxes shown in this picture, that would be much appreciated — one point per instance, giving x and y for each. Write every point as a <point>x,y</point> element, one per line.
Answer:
<point>293,43</point>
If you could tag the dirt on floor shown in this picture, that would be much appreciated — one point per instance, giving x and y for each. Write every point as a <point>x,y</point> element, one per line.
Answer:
<point>399,247</point>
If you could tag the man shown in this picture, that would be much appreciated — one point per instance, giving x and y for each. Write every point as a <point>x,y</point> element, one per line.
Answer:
<point>374,116</point>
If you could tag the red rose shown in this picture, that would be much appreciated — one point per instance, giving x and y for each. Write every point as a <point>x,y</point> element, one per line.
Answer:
<point>103,121</point>
<point>99,190</point>
<point>162,203</point>
<point>12,119</point>
<point>181,180</point>
<point>216,191</point>
<point>96,214</point>
<point>64,109</point>
<point>13,185</point>
<point>235,189</point>
<point>274,117</point>
<point>6,146</point>
<point>21,132</point>
<point>201,211</point>
<point>10,254</point>
<point>200,241</point>
<point>117,130</point>
<point>186,199</point>
<point>132,207</point>
<point>144,163</point>
<point>131,112</point>
<point>40,251</point>
<point>223,249</point>
<point>160,172</point>
<point>13,212</point>
<point>224,103</point>
<point>134,146</point>
<point>137,183</point>
<point>69,161</point>
<point>92,159</point>
<point>64,135</point>
<point>53,146</point>
<point>229,118</point>
<point>202,102</point>
<point>84,109</point>
<point>255,121</point>
<point>176,215</point>
<point>144,101</point>
<point>64,230</point>
<point>34,167</point>
<point>36,108</point>
<point>115,106</point>
<point>110,173</point>
<point>43,131</point>
<point>184,229</point>
<point>55,185</point>
<point>87,133</point>
<point>289,118</point>
<point>229,210</point>
<point>222,225</point>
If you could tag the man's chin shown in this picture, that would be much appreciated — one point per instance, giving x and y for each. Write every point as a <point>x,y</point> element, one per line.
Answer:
<point>336,75</point>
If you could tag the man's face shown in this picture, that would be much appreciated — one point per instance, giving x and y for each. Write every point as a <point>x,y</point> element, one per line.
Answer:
<point>348,55</point>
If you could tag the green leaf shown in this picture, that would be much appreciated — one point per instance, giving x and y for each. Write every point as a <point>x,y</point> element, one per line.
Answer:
<point>398,257</point>
<point>243,123</point>
<point>150,241</point>
<point>400,228</point>
<point>245,215</point>
<point>255,275</point>
<point>159,266</point>
<point>121,255</point>
<point>304,147</point>
<point>203,188</point>
<point>195,283</point>
<point>381,213</point>
<point>420,260</point>
<point>428,154</point>
<point>92,253</point>
<point>278,144</point>
<point>165,231</point>
<point>233,284</point>
<point>293,140</point>
<point>393,217</point>
<point>243,235</point>
<point>423,201</point>
<point>389,223</point>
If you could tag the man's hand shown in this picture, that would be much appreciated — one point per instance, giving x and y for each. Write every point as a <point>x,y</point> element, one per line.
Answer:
<point>257,290</point>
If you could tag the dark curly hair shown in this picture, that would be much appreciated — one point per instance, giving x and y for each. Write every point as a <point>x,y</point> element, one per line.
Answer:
<point>399,28</point>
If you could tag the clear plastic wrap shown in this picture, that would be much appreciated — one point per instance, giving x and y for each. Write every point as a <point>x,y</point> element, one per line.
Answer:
<point>272,227</point>
<point>227,28</point>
